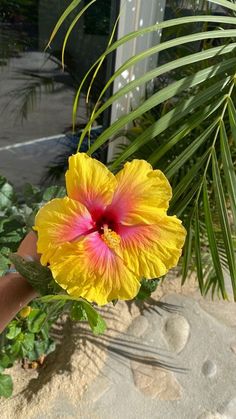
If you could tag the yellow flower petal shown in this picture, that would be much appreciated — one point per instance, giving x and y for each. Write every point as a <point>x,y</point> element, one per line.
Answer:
<point>142,194</point>
<point>60,221</point>
<point>89,182</point>
<point>152,250</point>
<point>91,270</point>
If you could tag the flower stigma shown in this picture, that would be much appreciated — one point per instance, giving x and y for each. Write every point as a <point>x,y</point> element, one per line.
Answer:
<point>110,237</point>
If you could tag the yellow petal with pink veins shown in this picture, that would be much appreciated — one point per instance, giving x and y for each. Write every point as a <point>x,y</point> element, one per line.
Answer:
<point>142,194</point>
<point>89,182</point>
<point>90,269</point>
<point>59,221</point>
<point>152,250</point>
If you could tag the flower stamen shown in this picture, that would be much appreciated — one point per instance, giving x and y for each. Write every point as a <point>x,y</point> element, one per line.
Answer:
<point>110,237</point>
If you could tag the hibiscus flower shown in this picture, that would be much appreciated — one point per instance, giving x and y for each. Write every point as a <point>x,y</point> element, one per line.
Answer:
<point>110,231</point>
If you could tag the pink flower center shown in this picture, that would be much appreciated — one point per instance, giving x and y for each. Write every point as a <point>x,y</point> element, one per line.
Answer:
<point>105,222</point>
<point>107,225</point>
<point>107,219</point>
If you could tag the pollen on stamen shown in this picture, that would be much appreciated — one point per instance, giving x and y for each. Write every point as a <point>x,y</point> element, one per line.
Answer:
<point>110,237</point>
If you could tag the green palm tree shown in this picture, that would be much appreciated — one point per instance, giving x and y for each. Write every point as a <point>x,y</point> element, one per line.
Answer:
<point>188,129</point>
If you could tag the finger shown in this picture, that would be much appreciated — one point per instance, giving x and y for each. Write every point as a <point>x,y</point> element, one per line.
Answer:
<point>28,247</point>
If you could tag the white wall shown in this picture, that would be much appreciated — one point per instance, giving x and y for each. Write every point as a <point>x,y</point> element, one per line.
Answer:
<point>135,14</point>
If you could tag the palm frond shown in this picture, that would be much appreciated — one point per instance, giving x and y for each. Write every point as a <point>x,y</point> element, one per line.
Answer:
<point>187,128</point>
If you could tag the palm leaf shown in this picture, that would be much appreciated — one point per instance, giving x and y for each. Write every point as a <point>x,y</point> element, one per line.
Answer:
<point>129,87</point>
<point>134,60</point>
<point>228,167</point>
<point>183,157</point>
<point>212,241</point>
<point>225,3</point>
<point>197,246</point>
<point>192,122</point>
<point>70,29</point>
<point>179,112</point>
<point>187,181</point>
<point>232,118</point>
<point>225,226</point>
<point>187,252</point>
<point>62,19</point>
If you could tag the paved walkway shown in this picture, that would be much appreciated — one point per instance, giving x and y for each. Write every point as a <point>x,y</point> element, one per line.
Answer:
<point>48,115</point>
<point>48,112</point>
<point>27,162</point>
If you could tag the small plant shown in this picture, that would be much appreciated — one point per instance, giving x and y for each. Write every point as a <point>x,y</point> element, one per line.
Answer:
<point>27,339</point>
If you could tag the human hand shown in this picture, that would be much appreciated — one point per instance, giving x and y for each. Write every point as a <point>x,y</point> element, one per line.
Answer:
<point>15,290</point>
<point>28,247</point>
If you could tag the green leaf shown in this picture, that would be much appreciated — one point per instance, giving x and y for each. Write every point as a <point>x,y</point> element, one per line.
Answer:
<point>59,297</point>
<point>212,242</point>
<point>225,226</point>
<point>51,346</point>
<point>40,277</point>
<point>78,312</point>
<point>191,123</point>
<point>12,225</point>
<point>186,181</point>
<point>182,158</point>
<point>54,310</point>
<point>45,331</point>
<point>10,239</point>
<point>32,194</point>
<point>187,251</point>
<point>180,111</point>
<point>5,361</point>
<point>6,385</point>
<point>228,168</point>
<point>186,199</point>
<point>96,322</point>
<point>139,33</point>
<point>71,27</point>
<point>27,343</point>
<point>129,87</point>
<point>54,192</point>
<point>15,349</point>
<point>6,194</point>
<point>148,286</point>
<point>231,20</point>
<point>13,330</point>
<point>197,245</point>
<point>225,3</point>
<point>101,60</point>
<point>161,96</point>
<point>4,263</point>
<point>43,347</point>
<point>63,17</point>
<point>35,320</point>
<point>232,118</point>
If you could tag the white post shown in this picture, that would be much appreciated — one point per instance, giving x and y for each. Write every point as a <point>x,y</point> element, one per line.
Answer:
<point>135,14</point>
